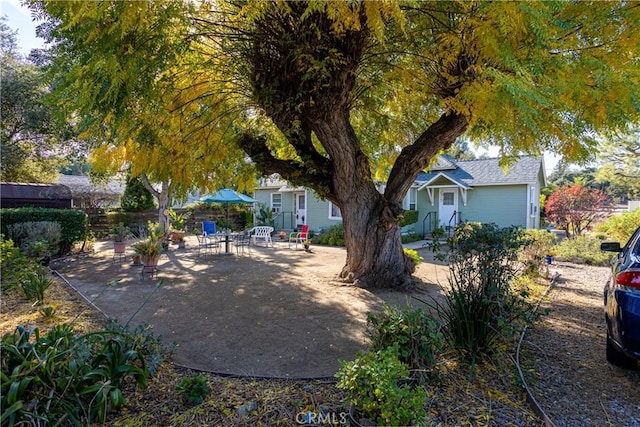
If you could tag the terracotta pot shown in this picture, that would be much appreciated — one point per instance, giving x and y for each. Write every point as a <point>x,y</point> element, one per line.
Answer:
<point>150,261</point>
<point>137,259</point>
<point>119,247</point>
<point>177,236</point>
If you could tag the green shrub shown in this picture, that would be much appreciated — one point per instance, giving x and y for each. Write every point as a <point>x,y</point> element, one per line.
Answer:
<point>414,256</point>
<point>410,236</point>
<point>582,248</point>
<point>373,383</point>
<point>415,334</point>
<point>620,227</point>
<point>75,379</point>
<point>73,223</point>
<point>537,245</point>
<point>13,264</point>
<point>409,217</point>
<point>136,197</point>
<point>333,236</point>
<point>34,284</point>
<point>480,305</point>
<point>194,389</point>
<point>36,238</point>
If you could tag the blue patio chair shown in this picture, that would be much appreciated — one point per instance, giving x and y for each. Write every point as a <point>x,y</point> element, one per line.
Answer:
<point>208,227</point>
<point>210,240</point>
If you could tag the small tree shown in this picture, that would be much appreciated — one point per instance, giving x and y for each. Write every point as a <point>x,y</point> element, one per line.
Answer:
<point>136,197</point>
<point>576,207</point>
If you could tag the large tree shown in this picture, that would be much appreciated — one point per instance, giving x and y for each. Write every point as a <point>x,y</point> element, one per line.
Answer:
<point>29,138</point>
<point>575,208</point>
<point>619,157</point>
<point>340,95</point>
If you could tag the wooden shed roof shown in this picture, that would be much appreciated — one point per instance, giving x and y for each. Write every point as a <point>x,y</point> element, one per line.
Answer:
<point>14,190</point>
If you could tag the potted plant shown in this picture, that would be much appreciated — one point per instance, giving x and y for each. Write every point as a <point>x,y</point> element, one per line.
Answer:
<point>178,229</point>
<point>149,250</point>
<point>119,235</point>
<point>307,245</point>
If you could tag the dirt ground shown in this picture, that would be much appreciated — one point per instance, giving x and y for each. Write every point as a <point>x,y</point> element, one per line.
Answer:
<point>273,312</point>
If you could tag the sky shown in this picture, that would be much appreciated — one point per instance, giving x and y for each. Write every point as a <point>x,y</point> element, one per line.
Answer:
<point>19,18</point>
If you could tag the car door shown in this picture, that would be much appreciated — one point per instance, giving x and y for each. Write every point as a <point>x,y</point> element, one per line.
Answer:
<point>625,260</point>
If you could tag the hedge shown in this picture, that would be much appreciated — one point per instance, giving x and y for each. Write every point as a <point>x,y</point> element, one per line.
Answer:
<point>73,223</point>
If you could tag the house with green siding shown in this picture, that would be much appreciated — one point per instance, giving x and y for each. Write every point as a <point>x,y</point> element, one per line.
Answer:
<point>450,192</point>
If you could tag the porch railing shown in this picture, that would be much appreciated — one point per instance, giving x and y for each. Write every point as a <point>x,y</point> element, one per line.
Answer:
<point>284,220</point>
<point>429,223</point>
<point>456,219</point>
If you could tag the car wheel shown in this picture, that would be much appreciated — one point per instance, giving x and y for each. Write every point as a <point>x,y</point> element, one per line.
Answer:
<point>618,358</point>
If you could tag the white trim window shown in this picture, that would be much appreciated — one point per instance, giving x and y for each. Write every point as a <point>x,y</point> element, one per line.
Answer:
<point>533,203</point>
<point>411,200</point>
<point>334,211</point>
<point>276,202</point>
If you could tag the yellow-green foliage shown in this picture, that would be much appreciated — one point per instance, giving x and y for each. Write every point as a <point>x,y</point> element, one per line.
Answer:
<point>171,101</point>
<point>582,249</point>
<point>413,254</point>
<point>621,226</point>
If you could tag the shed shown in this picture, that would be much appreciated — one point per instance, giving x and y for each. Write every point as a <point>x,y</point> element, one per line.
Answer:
<point>15,195</point>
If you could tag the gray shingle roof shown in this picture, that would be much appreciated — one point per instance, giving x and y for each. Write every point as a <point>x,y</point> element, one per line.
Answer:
<point>488,172</point>
<point>81,184</point>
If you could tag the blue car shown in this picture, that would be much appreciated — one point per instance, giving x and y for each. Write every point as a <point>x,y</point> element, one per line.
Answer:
<point>622,303</point>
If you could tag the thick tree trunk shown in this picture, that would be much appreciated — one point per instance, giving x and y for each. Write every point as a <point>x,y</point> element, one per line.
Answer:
<point>162,197</point>
<point>375,258</point>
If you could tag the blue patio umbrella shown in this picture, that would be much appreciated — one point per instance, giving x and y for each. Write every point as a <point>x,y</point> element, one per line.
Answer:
<point>227,196</point>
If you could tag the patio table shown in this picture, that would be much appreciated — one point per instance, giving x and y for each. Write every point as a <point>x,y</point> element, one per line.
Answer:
<point>227,239</point>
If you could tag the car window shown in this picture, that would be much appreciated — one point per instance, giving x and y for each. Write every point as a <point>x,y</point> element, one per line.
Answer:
<point>633,244</point>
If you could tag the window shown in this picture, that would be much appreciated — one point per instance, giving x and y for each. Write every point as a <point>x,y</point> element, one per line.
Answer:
<point>532,201</point>
<point>276,202</point>
<point>410,201</point>
<point>447,198</point>
<point>334,212</point>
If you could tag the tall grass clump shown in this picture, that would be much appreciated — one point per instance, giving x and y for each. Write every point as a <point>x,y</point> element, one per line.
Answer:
<point>34,284</point>
<point>480,306</point>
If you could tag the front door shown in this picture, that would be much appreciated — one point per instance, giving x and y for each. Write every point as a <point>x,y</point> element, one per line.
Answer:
<point>447,207</point>
<point>301,209</point>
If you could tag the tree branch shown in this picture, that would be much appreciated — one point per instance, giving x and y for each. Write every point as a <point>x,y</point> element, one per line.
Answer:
<point>317,178</point>
<point>413,158</point>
